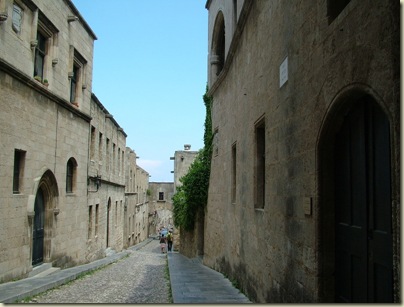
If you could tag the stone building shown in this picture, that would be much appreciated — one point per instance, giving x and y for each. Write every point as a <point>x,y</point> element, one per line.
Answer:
<point>106,182</point>
<point>186,243</point>
<point>62,154</point>
<point>304,196</point>
<point>136,214</point>
<point>182,161</point>
<point>161,206</point>
<point>44,134</point>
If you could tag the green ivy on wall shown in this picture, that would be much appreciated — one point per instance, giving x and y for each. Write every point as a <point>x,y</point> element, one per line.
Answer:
<point>193,193</point>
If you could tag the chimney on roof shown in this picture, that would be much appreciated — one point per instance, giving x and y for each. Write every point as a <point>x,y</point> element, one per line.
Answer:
<point>187,147</point>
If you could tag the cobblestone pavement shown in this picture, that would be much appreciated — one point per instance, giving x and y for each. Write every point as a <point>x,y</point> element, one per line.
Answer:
<point>140,278</point>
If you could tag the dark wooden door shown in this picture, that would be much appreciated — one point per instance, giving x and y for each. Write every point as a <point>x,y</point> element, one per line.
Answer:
<point>363,234</point>
<point>38,229</point>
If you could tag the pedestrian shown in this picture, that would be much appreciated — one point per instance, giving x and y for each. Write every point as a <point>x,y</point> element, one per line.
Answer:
<point>170,241</point>
<point>163,244</point>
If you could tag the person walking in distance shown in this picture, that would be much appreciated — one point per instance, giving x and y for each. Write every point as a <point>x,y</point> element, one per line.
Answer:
<point>163,243</point>
<point>170,241</point>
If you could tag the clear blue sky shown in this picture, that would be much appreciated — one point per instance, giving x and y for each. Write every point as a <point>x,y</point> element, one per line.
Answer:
<point>150,72</point>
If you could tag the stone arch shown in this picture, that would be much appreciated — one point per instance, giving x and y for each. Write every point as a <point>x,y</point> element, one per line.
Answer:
<point>340,107</point>
<point>47,185</point>
<point>218,45</point>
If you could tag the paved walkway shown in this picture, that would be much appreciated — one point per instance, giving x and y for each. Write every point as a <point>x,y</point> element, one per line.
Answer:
<point>191,281</point>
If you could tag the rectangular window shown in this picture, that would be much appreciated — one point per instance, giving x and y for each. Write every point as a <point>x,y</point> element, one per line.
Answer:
<point>107,154</point>
<point>19,161</point>
<point>119,161</point>
<point>77,76</point>
<point>46,42</point>
<point>260,164</point>
<point>113,158</point>
<point>40,53</point>
<point>116,213</point>
<point>90,221</point>
<point>96,219</point>
<point>216,142</point>
<point>73,83</point>
<point>92,144</point>
<point>161,195</point>
<point>123,162</point>
<point>100,147</point>
<point>233,173</point>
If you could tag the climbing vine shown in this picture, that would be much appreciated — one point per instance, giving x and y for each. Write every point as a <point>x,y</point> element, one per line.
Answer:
<point>193,193</point>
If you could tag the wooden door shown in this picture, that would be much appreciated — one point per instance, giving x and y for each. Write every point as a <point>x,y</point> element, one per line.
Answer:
<point>38,229</point>
<point>363,234</point>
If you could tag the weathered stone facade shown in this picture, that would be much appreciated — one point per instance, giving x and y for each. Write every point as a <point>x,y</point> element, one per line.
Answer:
<point>136,201</point>
<point>161,205</point>
<point>284,75</point>
<point>106,183</point>
<point>186,242</point>
<point>41,132</point>
<point>62,154</point>
<point>182,161</point>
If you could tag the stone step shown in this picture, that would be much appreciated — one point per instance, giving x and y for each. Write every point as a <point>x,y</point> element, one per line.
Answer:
<point>46,272</point>
<point>42,270</point>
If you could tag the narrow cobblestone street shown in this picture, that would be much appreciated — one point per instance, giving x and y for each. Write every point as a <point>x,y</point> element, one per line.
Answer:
<point>140,278</point>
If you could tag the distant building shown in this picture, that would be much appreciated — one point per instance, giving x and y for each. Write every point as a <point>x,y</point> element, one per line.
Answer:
<point>161,206</point>
<point>106,179</point>
<point>304,193</point>
<point>182,161</point>
<point>136,201</point>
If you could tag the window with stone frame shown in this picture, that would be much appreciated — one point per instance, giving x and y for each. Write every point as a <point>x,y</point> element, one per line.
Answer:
<point>215,142</point>
<point>233,173</point>
<point>46,37</point>
<point>92,143</point>
<point>259,172</point>
<point>71,175</point>
<point>97,213</point>
<point>161,195</point>
<point>90,221</point>
<point>19,162</point>
<point>40,53</point>
<point>77,76</point>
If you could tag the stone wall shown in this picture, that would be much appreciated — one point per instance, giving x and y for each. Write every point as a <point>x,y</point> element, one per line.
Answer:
<point>47,130</point>
<point>276,251</point>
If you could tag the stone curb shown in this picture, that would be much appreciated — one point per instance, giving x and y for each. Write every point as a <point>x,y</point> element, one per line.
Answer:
<point>15,291</point>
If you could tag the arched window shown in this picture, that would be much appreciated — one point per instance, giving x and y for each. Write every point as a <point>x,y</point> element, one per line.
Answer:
<point>218,45</point>
<point>71,175</point>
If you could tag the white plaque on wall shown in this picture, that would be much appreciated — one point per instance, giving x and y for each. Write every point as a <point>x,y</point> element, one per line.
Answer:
<point>283,72</point>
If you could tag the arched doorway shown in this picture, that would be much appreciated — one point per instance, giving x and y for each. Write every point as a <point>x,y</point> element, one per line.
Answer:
<point>46,200</point>
<point>38,228</point>
<point>356,245</point>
